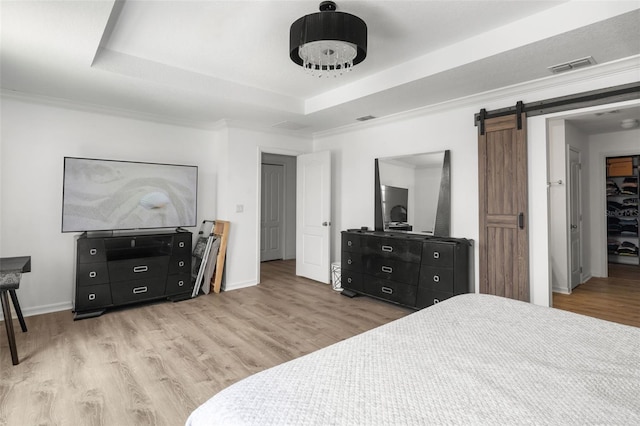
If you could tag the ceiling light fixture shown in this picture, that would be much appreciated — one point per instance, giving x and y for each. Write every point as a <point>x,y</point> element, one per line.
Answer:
<point>328,43</point>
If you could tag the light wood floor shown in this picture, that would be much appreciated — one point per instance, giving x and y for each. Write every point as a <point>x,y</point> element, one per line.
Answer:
<point>154,364</point>
<point>616,298</point>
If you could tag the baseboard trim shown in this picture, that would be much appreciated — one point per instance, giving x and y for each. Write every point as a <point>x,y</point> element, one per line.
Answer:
<point>585,278</point>
<point>237,286</point>
<point>40,310</point>
<point>560,290</point>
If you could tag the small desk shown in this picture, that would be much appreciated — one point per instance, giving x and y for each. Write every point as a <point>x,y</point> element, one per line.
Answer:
<point>16,266</point>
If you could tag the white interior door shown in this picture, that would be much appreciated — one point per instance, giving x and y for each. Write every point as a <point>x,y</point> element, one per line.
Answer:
<point>575,219</point>
<point>313,219</point>
<point>272,213</point>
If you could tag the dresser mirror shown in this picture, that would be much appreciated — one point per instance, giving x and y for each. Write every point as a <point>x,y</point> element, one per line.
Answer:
<point>412,193</point>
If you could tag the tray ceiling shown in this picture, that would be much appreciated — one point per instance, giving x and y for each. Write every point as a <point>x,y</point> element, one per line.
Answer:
<point>198,63</point>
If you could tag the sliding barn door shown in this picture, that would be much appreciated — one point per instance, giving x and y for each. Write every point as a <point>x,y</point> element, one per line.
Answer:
<point>504,243</point>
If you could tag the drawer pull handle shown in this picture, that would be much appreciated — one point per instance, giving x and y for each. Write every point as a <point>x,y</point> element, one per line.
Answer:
<point>349,280</point>
<point>181,244</point>
<point>349,243</point>
<point>180,283</point>
<point>436,278</point>
<point>92,296</point>
<point>387,290</point>
<point>388,249</point>
<point>93,274</point>
<point>436,255</point>
<point>436,301</point>
<point>387,269</point>
<point>181,263</point>
<point>93,252</point>
<point>349,262</point>
<point>143,268</point>
<point>138,290</point>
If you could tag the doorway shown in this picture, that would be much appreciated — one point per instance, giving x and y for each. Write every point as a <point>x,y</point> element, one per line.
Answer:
<point>600,134</point>
<point>272,213</point>
<point>306,218</point>
<point>277,208</point>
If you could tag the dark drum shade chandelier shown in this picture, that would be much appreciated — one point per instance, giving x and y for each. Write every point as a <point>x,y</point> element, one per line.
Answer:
<point>328,42</point>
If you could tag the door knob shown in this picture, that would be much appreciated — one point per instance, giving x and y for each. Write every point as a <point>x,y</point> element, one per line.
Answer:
<point>574,226</point>
<point>326,223</point>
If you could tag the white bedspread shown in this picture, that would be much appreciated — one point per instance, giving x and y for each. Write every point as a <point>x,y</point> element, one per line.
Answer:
<point>473,359</point>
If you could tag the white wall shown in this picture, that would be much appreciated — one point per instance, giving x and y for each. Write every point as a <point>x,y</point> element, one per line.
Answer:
<point>561,135</point>
<point>240,187</point>
<point>35,138</point>
<point>558,249</point>
<point>289,164</point>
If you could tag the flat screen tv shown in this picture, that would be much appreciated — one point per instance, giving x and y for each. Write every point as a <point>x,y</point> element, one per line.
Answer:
<point>110,195</point>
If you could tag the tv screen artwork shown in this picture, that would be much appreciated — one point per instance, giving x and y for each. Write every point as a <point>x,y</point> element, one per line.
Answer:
<point>101,195</point>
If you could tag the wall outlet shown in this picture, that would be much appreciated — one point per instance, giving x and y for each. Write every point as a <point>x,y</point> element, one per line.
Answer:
<point>239,208</point>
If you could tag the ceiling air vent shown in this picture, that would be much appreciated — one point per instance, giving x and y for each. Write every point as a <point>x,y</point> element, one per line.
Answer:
<point>572,65</point>
<point>365,118</point>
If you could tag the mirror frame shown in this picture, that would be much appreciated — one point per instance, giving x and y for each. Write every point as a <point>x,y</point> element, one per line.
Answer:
<point>442,226</point>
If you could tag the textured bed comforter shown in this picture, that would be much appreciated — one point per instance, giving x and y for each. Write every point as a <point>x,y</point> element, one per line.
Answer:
<point>472,359</point>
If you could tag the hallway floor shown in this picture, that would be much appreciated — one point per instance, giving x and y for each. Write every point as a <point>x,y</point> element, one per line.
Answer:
<point>616,298</point>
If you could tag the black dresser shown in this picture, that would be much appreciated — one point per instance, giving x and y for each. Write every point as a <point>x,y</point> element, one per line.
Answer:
<point>113,271</point>
<point>408,269</point>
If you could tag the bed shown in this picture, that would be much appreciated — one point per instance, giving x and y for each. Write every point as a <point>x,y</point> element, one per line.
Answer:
<point>472,359</point>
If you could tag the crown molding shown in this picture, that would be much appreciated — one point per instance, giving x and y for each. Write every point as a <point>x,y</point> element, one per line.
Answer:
<point>101,109</point>
<point>629,65</point>
<point>248,126</point>
<point>565,82</point>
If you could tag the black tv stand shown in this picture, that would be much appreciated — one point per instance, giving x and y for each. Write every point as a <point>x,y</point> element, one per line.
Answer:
<point>114,270</point>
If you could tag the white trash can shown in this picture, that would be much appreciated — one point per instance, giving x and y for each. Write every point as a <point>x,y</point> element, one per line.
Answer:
<point>335,276</point>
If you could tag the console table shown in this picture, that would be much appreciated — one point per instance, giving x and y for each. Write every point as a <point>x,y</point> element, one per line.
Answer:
<point>117,270</point>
